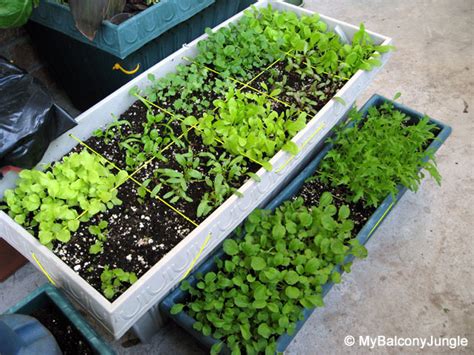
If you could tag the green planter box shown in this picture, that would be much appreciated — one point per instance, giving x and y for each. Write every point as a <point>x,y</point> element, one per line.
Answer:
<point>85,69</point>
<point>48,295</point>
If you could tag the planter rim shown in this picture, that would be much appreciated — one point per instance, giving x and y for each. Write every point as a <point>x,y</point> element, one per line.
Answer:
<point>119,316</point>
<point>364,235</point>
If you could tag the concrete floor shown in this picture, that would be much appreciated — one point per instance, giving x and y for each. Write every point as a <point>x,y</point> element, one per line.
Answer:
<point>417,280</point>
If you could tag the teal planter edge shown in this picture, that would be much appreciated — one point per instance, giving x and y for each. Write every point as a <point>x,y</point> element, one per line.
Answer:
<point>46,293</point>
<point>121,40</point>
<point>178,296</point>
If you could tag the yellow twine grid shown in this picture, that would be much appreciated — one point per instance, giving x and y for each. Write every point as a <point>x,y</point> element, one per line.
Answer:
<point>148,103</point>
<point>193,262</point>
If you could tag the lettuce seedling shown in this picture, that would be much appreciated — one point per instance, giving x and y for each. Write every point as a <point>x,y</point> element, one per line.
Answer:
<point>50,202</point>
<point>245,124</point>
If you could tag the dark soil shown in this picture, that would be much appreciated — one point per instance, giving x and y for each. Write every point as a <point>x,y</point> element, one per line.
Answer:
<point>196,190</point>
<point>313,190</point>
<point>109,147</point>
<point>70,341</point>
<point>139,234</point>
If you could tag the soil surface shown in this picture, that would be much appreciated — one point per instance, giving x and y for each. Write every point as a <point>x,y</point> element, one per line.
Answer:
<point>70,341</point>
<point>139,233</point>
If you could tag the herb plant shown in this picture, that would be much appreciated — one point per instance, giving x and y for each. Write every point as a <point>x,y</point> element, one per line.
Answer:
<point>50,202</point>
<point>114,280</point>
<point>260,288</point>
<point>375,154</point>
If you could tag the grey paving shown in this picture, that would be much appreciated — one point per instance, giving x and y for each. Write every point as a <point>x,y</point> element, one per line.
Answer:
<point>417,280</point>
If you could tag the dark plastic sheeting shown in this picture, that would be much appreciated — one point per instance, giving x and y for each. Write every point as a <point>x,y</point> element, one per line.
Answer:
<point>29,119</point>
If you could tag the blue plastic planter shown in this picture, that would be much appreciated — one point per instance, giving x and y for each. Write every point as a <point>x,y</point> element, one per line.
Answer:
<point>178,296</point>
<point>85,69</point>
<point>48,295</point>
<point>121,40</point>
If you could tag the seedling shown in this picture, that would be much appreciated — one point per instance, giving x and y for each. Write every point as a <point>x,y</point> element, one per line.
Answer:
<point>377,153</point>
<point>100,232</point>
<point>269,276</point>
<point>51,201</point>
<point>114,280</point>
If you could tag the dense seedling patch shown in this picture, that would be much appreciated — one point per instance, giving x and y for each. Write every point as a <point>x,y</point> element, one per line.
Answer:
<point>189,142</point>
<point>262,280</point>
<point>377,153</point>
<point>260,288</point>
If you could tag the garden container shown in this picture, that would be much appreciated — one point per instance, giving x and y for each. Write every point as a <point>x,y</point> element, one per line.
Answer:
<point>47,296</point>
<point>85,69</point>
<point>137,306</point>
<point>179,296</point>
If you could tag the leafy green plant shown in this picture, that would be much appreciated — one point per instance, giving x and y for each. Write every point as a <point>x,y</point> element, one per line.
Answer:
<point>175,181</point>
<point>375,154</point>
<point>51,202</point>
<point>310,36</point>
<point>279,267</point>
<point>114,280</point>
<point>15,13</point>
<point>245,123</point>
<point>100,232</point>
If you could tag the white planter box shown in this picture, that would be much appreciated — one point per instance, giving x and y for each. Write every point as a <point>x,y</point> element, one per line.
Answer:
<point>122,314</point>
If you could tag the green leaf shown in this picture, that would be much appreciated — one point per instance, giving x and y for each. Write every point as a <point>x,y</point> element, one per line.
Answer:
<point>264,330</point>
<point>177,308</point>
<point>336,277</point>
<point>63,235</point>
<point>231,247</point>
<point>292,292</point>
<point>339,100</point>
<point>291,277</point>
<point>245,331</point>
<point>15,13</point>
<point>278,231</point>
<point>258,263</point>
<point>291,148</point>
<point>344,212</point>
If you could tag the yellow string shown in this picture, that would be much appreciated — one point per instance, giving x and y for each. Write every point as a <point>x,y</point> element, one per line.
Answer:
<point>43,269</point>
<point>381,218</point>
<point>302,146</point>
<point>197,256</point>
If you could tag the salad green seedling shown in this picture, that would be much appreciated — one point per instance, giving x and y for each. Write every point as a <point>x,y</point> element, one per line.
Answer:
<point>114,280</point>
<point>100,232</point>
<point>51,201</point>
<point>376,154</point>
<point>247,125</point>
<point>278,268</point>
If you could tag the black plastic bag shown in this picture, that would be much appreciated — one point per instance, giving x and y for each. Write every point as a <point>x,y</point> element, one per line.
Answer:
<point>29,119</point>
